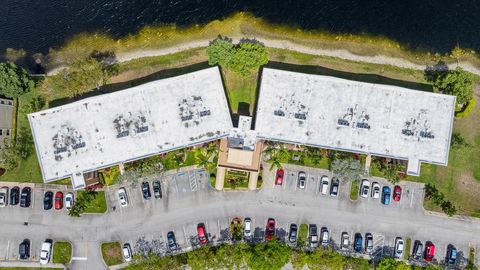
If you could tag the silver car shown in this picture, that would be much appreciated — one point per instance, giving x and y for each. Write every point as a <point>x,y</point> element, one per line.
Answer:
<point>365,188</point>
<point>3,196</point>
<point>399,246</point>
<point>247,227</point>
<point>302,179</point>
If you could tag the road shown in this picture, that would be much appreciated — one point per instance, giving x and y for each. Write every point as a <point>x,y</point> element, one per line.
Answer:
<point>188,199</point>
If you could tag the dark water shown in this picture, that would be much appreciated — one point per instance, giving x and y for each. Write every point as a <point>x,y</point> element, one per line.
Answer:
<point>36,25</point>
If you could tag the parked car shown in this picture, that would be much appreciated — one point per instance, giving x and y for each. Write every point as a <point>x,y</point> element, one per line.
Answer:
<point>122,197</point>
<point>313,235</point>
<point>417,250</point>
<point>451,254</point>
<point>24,249</point>
<point>324,185</point>
<point>368,242</point>
<point>171,242</point>
<point>302,179</point>
<point>25,197</point>
<point>14,195</point>
<point>46,251</point>
<point>48,200</point>
<point>279,177</point>
<point>292,237</point>
<point>357,243</point>
<point>202,234</point>
<point>385,195</point>
<point>157,189</point>
<point>58,200</point>
<point>325,236</point>
<point>3,196</point>
<point>69,201</point>
<point>270,229</point>
<point>375,190</point>
<point>146,191</point>
<point>247,227</point>
<point>429,251</point>
<point>397,193</point>
<point>127,252</point>
<point>334,187</point>
<point>399,246</point>
<point>365,188</point>
<point>345,241</point>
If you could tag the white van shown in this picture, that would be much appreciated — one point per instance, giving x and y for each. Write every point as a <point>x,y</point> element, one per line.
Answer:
<point>45,252</point>
<point>324,185</point>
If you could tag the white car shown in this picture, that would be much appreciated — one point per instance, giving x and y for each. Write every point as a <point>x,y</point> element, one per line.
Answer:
<point>247,229</point>
<point>122,197</point>
<point>127,252</point>
<point>324,186</point>
<point>69,201</point>
<point>45,252</point>
<point>375,190</point>
<point>365,188</point>
<point>399,246</point>
<point>3,196</point>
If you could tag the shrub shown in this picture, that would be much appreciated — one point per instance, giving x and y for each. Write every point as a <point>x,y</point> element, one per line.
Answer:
<point>465,111</point>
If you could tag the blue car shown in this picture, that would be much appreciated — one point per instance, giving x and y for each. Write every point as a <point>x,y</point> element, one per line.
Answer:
<point>386,191</point>
<point>357,244</point>
<point>451,254</point>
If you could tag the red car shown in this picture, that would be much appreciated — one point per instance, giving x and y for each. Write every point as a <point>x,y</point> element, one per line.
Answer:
<point>397,193</point>
<point>270,229</point>
<point>202,235</point>
<point>429,251</point>
<point>279,178</point>
<point>58,200</point>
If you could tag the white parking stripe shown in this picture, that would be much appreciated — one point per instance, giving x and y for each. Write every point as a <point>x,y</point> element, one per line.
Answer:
<point>185,235</point>
<point>412,196</point>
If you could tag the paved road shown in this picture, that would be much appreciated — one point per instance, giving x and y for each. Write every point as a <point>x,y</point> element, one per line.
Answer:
<point>188,200</point>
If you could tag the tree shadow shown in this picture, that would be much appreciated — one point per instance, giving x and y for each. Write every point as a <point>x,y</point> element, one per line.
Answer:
<point>114,87</point>
<point>362,77</point>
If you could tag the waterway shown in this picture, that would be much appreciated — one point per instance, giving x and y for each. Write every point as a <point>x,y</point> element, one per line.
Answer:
<point>37,25</point>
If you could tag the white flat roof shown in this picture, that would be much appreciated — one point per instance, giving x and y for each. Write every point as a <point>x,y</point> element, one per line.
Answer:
<point>381,120</point>
<point>141,121</point>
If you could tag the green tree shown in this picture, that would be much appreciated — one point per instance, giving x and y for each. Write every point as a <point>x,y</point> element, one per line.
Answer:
<point>347,169</point>
<point>82,76</point>
<point>233,256</point>
<point>326,259</point>
<point>14,81</point>
<point>81,203</point>
<point>357,264</point>
<point>299,259</point>
<point>203,258</point>
<point>269,256</point>
<point>248,57</point>
<point>391,172</point>
<point>14,152</point>
<point>458,141</point>
<point>387,264</point>
<point>221,52</point>
<point>454,82</point>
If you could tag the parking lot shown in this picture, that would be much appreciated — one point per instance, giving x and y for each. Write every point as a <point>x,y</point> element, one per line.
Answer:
<point>188,199</point>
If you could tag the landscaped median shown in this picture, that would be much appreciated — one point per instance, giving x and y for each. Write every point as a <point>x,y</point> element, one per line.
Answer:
<point>354,189</point>
<point>62,252</point>
<point>112,253</point>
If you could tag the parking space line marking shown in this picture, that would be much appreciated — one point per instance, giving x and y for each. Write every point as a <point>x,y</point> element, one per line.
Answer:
<point>411,199</point>
<point>175,180</point>
<point>185,235</point>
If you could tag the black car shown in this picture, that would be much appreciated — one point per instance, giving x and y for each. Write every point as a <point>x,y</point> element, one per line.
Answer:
<point>157,189</point>
<point>25,197</point>
<point>417,250</point>
<point>146,191</point>
<point>48,200</point>
<point>24,249</point>
<point>451,254</point>
<point>357,244</point>
<point>172,244</point>
<point>334,187</point>
<point>14,195</point>
<point>292,237</point>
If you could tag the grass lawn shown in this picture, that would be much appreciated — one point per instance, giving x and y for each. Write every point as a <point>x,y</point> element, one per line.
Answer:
<point>302,235</point>
<point>408,247</point>
<point>62,252</point>
<point>98,205</point>
<point>112,253</point>
<point>241,91</point>
<point>355,189</point>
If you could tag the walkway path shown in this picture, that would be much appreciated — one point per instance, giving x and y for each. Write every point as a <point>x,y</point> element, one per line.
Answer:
<point>282,44</point>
